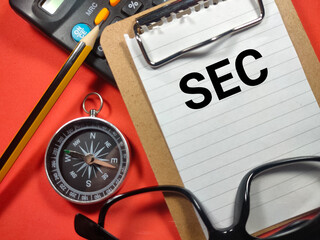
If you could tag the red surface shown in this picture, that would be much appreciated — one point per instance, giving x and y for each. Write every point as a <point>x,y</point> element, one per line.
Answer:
<point>29,207</point>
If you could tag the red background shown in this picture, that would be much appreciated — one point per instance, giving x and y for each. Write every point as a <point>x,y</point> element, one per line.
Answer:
<point>29,207</point>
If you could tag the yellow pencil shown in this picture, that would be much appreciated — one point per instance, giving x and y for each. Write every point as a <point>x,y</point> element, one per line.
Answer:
<point>51,95</point>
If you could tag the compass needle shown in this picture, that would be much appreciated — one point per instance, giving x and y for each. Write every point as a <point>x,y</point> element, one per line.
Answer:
<point>102,163</point>
<point>75,154</point>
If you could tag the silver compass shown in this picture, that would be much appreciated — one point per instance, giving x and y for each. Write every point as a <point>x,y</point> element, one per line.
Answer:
<point>87,158</point>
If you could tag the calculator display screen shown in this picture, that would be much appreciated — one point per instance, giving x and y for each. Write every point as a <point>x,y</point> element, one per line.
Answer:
<point>51,6</point>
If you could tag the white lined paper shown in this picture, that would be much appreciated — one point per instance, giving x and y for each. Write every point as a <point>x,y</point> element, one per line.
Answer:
<point>215,146</point>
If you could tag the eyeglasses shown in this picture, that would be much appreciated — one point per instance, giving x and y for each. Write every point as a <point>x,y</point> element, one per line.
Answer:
<point>298,230</point>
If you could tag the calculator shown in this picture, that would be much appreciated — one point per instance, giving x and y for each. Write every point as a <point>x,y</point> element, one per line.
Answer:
<point>67,21</point>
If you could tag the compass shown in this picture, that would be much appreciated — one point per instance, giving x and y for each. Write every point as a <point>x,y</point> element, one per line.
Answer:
<point>87,158</point>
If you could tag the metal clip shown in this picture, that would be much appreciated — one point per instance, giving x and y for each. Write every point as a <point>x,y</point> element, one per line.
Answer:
<point>180,8</point>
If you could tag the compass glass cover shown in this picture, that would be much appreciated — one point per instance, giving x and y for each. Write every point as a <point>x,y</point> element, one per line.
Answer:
<point>87,160</point>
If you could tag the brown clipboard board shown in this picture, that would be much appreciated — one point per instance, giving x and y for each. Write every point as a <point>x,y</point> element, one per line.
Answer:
<point>140,110</point>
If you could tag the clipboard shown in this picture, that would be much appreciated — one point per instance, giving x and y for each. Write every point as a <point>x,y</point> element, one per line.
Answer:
<point>142,115</point>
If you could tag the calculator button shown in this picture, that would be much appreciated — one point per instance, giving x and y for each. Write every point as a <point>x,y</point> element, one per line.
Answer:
<point>131,7</point>
<point>114,2</point>
<point>97,49</point>
<point>79,31</point>
<point>157,2</point>
<point>102,15</point>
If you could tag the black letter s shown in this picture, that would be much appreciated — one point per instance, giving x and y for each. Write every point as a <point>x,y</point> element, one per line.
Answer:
<point>195,90</point>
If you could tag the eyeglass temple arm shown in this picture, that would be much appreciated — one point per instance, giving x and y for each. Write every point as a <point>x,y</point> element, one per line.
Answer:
<point>303,229</point>
<point>88,229</point>
<point>165,188</point>
<point>290,227</point>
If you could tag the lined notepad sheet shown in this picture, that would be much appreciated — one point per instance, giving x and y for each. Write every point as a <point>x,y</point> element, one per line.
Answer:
<point>214,146</point>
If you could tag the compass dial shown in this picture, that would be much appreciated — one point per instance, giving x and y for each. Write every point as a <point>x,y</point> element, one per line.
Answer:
<point>87,160</point>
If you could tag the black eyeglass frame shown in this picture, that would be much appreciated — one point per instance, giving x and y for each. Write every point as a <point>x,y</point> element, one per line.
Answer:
<point>308,229</point>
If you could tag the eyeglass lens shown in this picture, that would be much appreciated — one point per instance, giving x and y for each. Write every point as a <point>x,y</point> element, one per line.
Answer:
<point>283,193</point>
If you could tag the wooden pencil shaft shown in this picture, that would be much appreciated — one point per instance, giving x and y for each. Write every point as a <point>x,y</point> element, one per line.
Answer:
<point>46,102</point>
